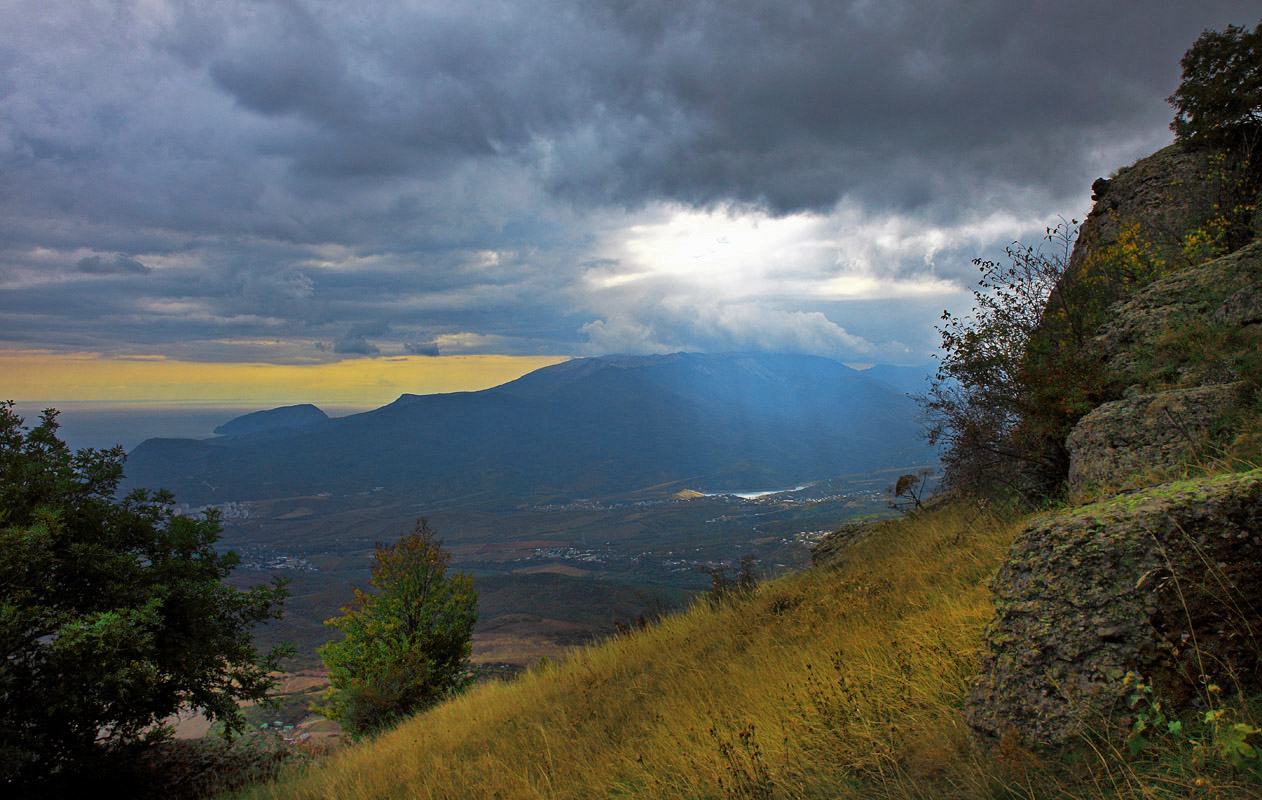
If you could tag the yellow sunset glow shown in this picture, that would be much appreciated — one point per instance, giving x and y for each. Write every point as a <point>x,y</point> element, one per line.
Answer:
<point>46,377</point>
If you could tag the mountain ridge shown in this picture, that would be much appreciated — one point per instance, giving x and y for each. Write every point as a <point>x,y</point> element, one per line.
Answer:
<point>294,416</point>
<point>586,426</point>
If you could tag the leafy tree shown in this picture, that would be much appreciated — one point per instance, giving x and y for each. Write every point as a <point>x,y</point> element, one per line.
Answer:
<point>407,645</point>
<point>1018,373</point>
<point>1220,98</point>
<point>1219,105</point>
<point>981,405</point>
<point>113,614</point>
<point>908,492</point>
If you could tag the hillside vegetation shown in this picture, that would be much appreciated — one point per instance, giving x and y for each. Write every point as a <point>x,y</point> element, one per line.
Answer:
<point>844,681</point>
<point>832,682</point>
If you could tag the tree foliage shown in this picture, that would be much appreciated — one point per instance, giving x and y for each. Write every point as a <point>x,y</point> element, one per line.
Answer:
<point>406,646</point>
<point>1218,105</point>
<point>1220,99</point>
<point>983,404</point>
<point>908,492</point>
<point>1016,374</point>
<point>113,614</point>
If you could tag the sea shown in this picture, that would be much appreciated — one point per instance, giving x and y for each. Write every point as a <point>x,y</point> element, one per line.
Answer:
<point>103,426</point>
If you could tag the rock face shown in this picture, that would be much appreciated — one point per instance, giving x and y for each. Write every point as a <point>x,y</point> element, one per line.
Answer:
<point>1164,194</point>
<point>1177,351</point>
<point>1148,434</point>
<point>1165,582</point>
<point>828,551</point>
<point>1225,293</point>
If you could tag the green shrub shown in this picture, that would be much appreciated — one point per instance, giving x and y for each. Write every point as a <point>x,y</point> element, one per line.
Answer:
<point>406,646</point>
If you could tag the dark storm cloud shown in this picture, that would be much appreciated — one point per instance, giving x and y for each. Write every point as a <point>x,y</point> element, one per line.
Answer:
<point>119,265</point>
<point>286,170</point>
<point>797,104</point>
<point>355,341</point>
<point>421,348</point>
<point>354,344</point>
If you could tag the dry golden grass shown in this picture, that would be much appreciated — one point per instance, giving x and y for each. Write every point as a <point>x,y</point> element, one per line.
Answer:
<point>819,682</point>
<point>845,682</point>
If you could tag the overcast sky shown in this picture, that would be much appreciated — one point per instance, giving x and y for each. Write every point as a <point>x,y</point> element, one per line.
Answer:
<point>302,181</point>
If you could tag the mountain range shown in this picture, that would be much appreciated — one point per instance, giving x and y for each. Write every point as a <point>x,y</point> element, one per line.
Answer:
<point>588,427</point>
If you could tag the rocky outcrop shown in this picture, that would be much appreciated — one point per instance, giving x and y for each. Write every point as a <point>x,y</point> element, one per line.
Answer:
<point>1140,344</point>
<point>1163,196</point>
<point>1178,353</point>
<point>828,550</point>
<point>1164,583</point>
<point>1148,435</point>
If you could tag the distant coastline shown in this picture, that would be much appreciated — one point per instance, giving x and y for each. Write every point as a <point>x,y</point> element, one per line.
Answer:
<point>104,425</point>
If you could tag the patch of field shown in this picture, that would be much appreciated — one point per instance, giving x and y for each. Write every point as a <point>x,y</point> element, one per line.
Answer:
<point>519,651</point>
<point>555,569</point>
<point>293,684</point>
<point>189,724</point>
<point>522,639</point>
<point>500,547</point>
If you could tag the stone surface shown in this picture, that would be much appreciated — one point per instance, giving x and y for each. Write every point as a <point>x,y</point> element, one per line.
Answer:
<point>1149,434</point>
<point>1165,194</point>
<point>829,549</point>
<point>1164,582</point>
<point>1242,308</point>
<point>1219,292</point>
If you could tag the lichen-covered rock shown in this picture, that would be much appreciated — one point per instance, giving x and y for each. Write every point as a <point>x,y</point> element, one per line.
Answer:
<point>1143,330</point>
<point>1164,582</point>
<point>1164,195</point>
<point>828,550</point>
<point>1242,308</point>
<point>1149,434</point>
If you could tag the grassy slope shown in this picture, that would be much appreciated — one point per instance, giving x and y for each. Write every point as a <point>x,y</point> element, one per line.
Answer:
<point>826,683</point>
<point>820,676</point>
<point>844,682</point>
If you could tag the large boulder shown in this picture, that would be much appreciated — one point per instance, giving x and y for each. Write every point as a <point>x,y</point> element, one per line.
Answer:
<point>1149,436</point>
<point>1165,583</point>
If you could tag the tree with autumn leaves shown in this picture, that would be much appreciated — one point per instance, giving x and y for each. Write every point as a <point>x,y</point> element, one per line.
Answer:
<point>406,645</point>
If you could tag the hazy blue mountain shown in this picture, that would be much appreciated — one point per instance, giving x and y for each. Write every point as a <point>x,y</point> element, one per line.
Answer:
<point>908,380</point>
<point>583,428</point>
<point>283,417</point>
